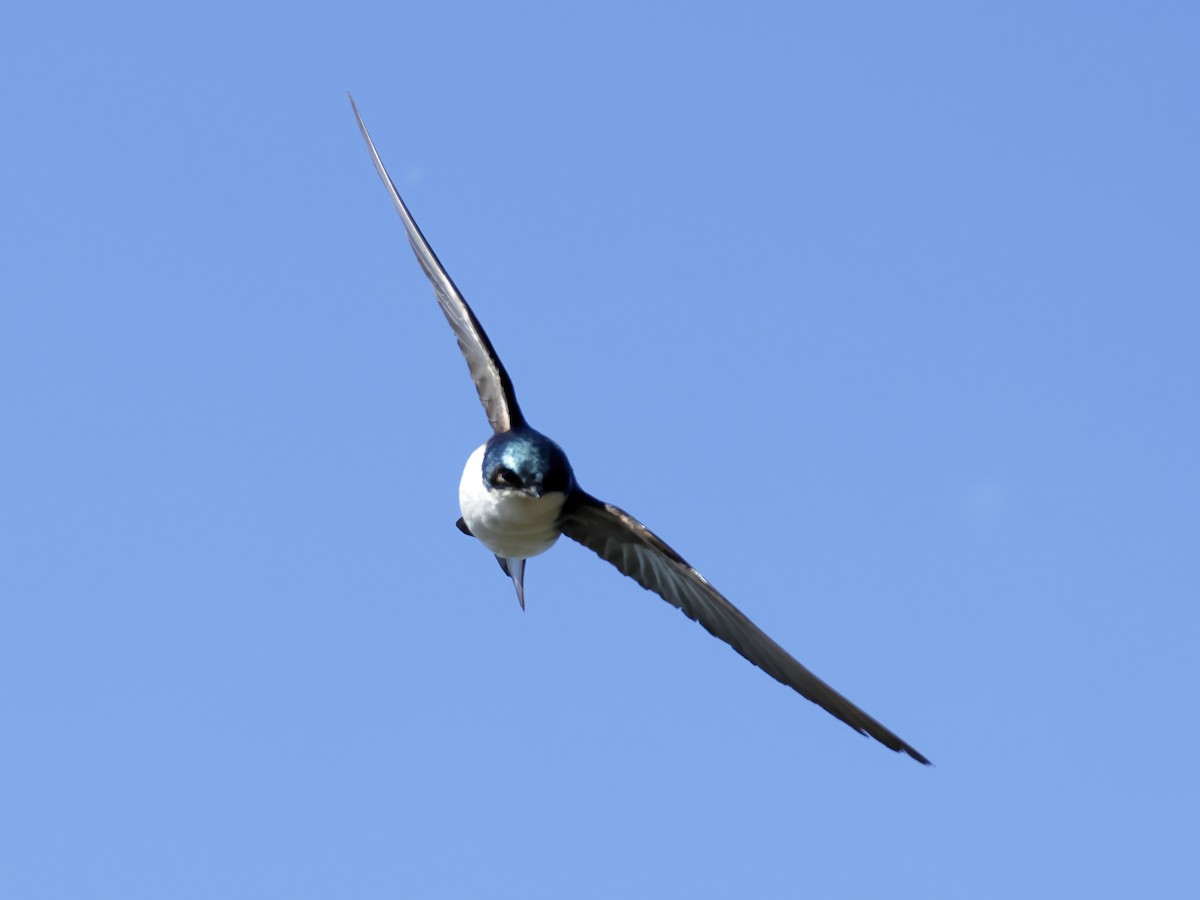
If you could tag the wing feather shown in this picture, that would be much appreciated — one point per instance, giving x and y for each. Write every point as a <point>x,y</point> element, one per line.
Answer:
<point>491,380</point>
<point>635,550</point>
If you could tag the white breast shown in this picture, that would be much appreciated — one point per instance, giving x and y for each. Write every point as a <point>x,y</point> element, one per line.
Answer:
<point>510,524</point>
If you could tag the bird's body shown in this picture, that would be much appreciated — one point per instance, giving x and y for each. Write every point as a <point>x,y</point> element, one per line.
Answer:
<point>518,494</point>
<point>511,523</point>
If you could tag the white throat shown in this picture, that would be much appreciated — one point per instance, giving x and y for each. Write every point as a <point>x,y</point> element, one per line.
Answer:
<point>509,523</point>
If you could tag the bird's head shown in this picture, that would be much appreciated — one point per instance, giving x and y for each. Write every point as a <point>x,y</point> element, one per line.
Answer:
<point>527,462</point>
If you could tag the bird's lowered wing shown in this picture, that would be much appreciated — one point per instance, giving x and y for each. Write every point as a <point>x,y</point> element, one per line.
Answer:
<point>638,552</point>
<point>494,386</point>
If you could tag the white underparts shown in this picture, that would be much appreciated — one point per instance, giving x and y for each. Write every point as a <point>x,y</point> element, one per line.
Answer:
<point>509,522</point>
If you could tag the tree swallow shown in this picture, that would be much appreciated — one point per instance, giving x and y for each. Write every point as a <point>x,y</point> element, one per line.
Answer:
<point>518,494</point>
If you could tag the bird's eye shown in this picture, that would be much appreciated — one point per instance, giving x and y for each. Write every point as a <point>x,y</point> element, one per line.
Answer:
<point>506,477</point>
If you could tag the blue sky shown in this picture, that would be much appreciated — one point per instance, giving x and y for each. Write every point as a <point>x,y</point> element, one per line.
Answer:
<point>885,316</point>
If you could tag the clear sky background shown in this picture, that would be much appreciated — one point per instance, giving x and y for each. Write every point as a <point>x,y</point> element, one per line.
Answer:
<point>886,316</point>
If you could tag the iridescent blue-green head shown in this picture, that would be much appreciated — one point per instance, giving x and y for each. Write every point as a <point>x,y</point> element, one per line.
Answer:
<point>526,460</point>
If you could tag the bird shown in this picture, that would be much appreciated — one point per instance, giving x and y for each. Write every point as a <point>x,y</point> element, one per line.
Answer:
<point>518,495</point>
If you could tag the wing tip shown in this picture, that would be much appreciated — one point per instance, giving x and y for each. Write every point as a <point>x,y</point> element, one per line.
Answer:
<point>887,739</point>
<point>900,746</point>
<point>915,754</point>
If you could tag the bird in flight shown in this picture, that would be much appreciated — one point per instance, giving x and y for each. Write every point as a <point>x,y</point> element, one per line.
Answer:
<point>518,494</point>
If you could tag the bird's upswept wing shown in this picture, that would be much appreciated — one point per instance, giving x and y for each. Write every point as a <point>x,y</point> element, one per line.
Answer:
<point>494,386</point>
<point>638,552</point>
